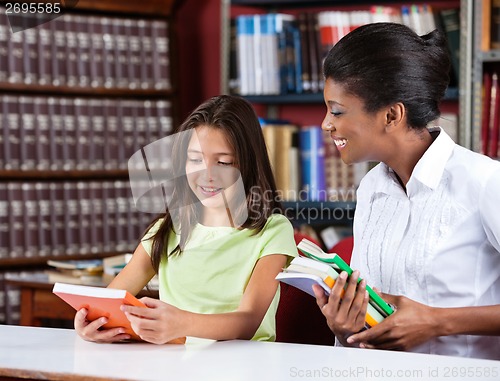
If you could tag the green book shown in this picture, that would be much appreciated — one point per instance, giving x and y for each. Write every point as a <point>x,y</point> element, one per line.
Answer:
<point>313,251</point>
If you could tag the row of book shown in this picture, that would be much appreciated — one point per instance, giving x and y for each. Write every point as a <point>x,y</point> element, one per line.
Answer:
<point>490,25</point>
<point>85,51</point>
<point>280,53</point>
<point>307,165</point>
<point>490,118</point>
<point>54,133</point>
<point>68,218</point>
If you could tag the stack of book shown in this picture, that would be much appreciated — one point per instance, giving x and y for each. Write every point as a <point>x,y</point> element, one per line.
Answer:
<point>318,267</point>
<point>88,271</point>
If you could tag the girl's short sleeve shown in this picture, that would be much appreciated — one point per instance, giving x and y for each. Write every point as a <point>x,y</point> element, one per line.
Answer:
<point>146,240</point>
<point>277,237</point>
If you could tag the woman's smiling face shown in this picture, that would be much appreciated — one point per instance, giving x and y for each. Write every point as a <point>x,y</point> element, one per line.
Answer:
<point>356,133</point>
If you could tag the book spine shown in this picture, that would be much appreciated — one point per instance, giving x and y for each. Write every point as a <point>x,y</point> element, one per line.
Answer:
<point>109,212</point>
<point>71,218</point>
<point>4,46</point>
<point>45,44</point>
<point>42,133</point>
<point>108,57</point>
<point>98,142</point>
<point>122,217</point>
<point>4,133</point>
<point>59,52</point>
<point>128,127</point>
<point>44,219</point>
<point>146,53</point>
<point>12,143</point>
<point>57,222</point>
<point>120,52</point>
<point>57,134</point>
<point>494,116</point>
<point>85,217</point>
<point>30,220</point>
<point>96,48</point>
<point>3,301</point>
<point>495,25</point>
<point>30,50</point>
<point>83,136</point>
<point>304,54</point>
<point>83,51</point>
<point>4,221</point>
<point>134,53</point>
<point>28,142</point>
<point>113,140</point>
<point>16,222</point>
<point>96,216</point>
<point>69,133</point>
<point>244,26</point>
<point>311,29</point>
<point>15,56</point>
<point>312,160</point>
<point>160,54</point>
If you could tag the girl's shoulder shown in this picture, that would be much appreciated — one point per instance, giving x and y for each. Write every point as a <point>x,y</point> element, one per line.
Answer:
<point>277,220</point>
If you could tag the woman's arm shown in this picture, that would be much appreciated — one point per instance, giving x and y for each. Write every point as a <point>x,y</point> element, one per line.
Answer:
<point>415,323</point>
<point>136,274</point>
<point>163,322</point>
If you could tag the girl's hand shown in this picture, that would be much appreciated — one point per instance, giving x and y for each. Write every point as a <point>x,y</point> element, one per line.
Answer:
<point>92,330</point>
<point>412,324</point>
<point>344,309</point>
<point>158,324</point>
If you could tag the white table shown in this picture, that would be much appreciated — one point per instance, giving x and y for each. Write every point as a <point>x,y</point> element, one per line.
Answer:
<point>59,354</point>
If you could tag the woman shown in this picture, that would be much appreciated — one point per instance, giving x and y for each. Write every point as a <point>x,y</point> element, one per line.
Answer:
<point>427,222</point>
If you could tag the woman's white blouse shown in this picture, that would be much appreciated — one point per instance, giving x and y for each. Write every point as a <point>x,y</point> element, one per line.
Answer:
<point>439,243</point>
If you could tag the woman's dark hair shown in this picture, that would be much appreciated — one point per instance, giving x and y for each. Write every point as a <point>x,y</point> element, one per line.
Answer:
<point>236,118</point>
<point>386,63</point>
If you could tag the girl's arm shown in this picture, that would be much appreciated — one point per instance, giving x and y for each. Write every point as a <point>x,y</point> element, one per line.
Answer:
<point>415,323</point>
<point>163,322</point>
<point>136,274</point>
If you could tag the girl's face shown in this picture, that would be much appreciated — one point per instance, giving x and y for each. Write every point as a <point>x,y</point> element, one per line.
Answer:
<point>356,133</point>
<point>210,167</point>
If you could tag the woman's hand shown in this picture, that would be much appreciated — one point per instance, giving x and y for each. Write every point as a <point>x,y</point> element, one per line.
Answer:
<point>344,309</point>
<point>157,324</point>
<point>92,330</point>
<point>412,324</point>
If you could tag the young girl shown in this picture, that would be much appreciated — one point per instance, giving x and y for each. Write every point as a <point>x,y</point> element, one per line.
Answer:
<point>217,259</point>
<point>427,226</point>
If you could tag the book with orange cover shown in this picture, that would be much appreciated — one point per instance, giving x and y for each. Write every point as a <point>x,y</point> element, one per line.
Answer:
<point>100,301</point>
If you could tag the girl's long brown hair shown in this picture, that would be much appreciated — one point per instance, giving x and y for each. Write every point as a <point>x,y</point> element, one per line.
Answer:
<point>236,118</point>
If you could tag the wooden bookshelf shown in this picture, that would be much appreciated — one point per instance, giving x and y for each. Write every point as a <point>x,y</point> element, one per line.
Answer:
<point>72,114</point>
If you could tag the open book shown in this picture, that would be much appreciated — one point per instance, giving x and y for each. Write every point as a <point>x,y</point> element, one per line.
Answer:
<point>100,301</point>
<point>323,269</point>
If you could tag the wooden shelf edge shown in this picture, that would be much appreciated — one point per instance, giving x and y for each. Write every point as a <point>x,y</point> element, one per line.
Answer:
<point>156,8</point>
<point>151,7</point>
<point>9,263</point>
<point>62,175</point>
<point>35,89</point>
